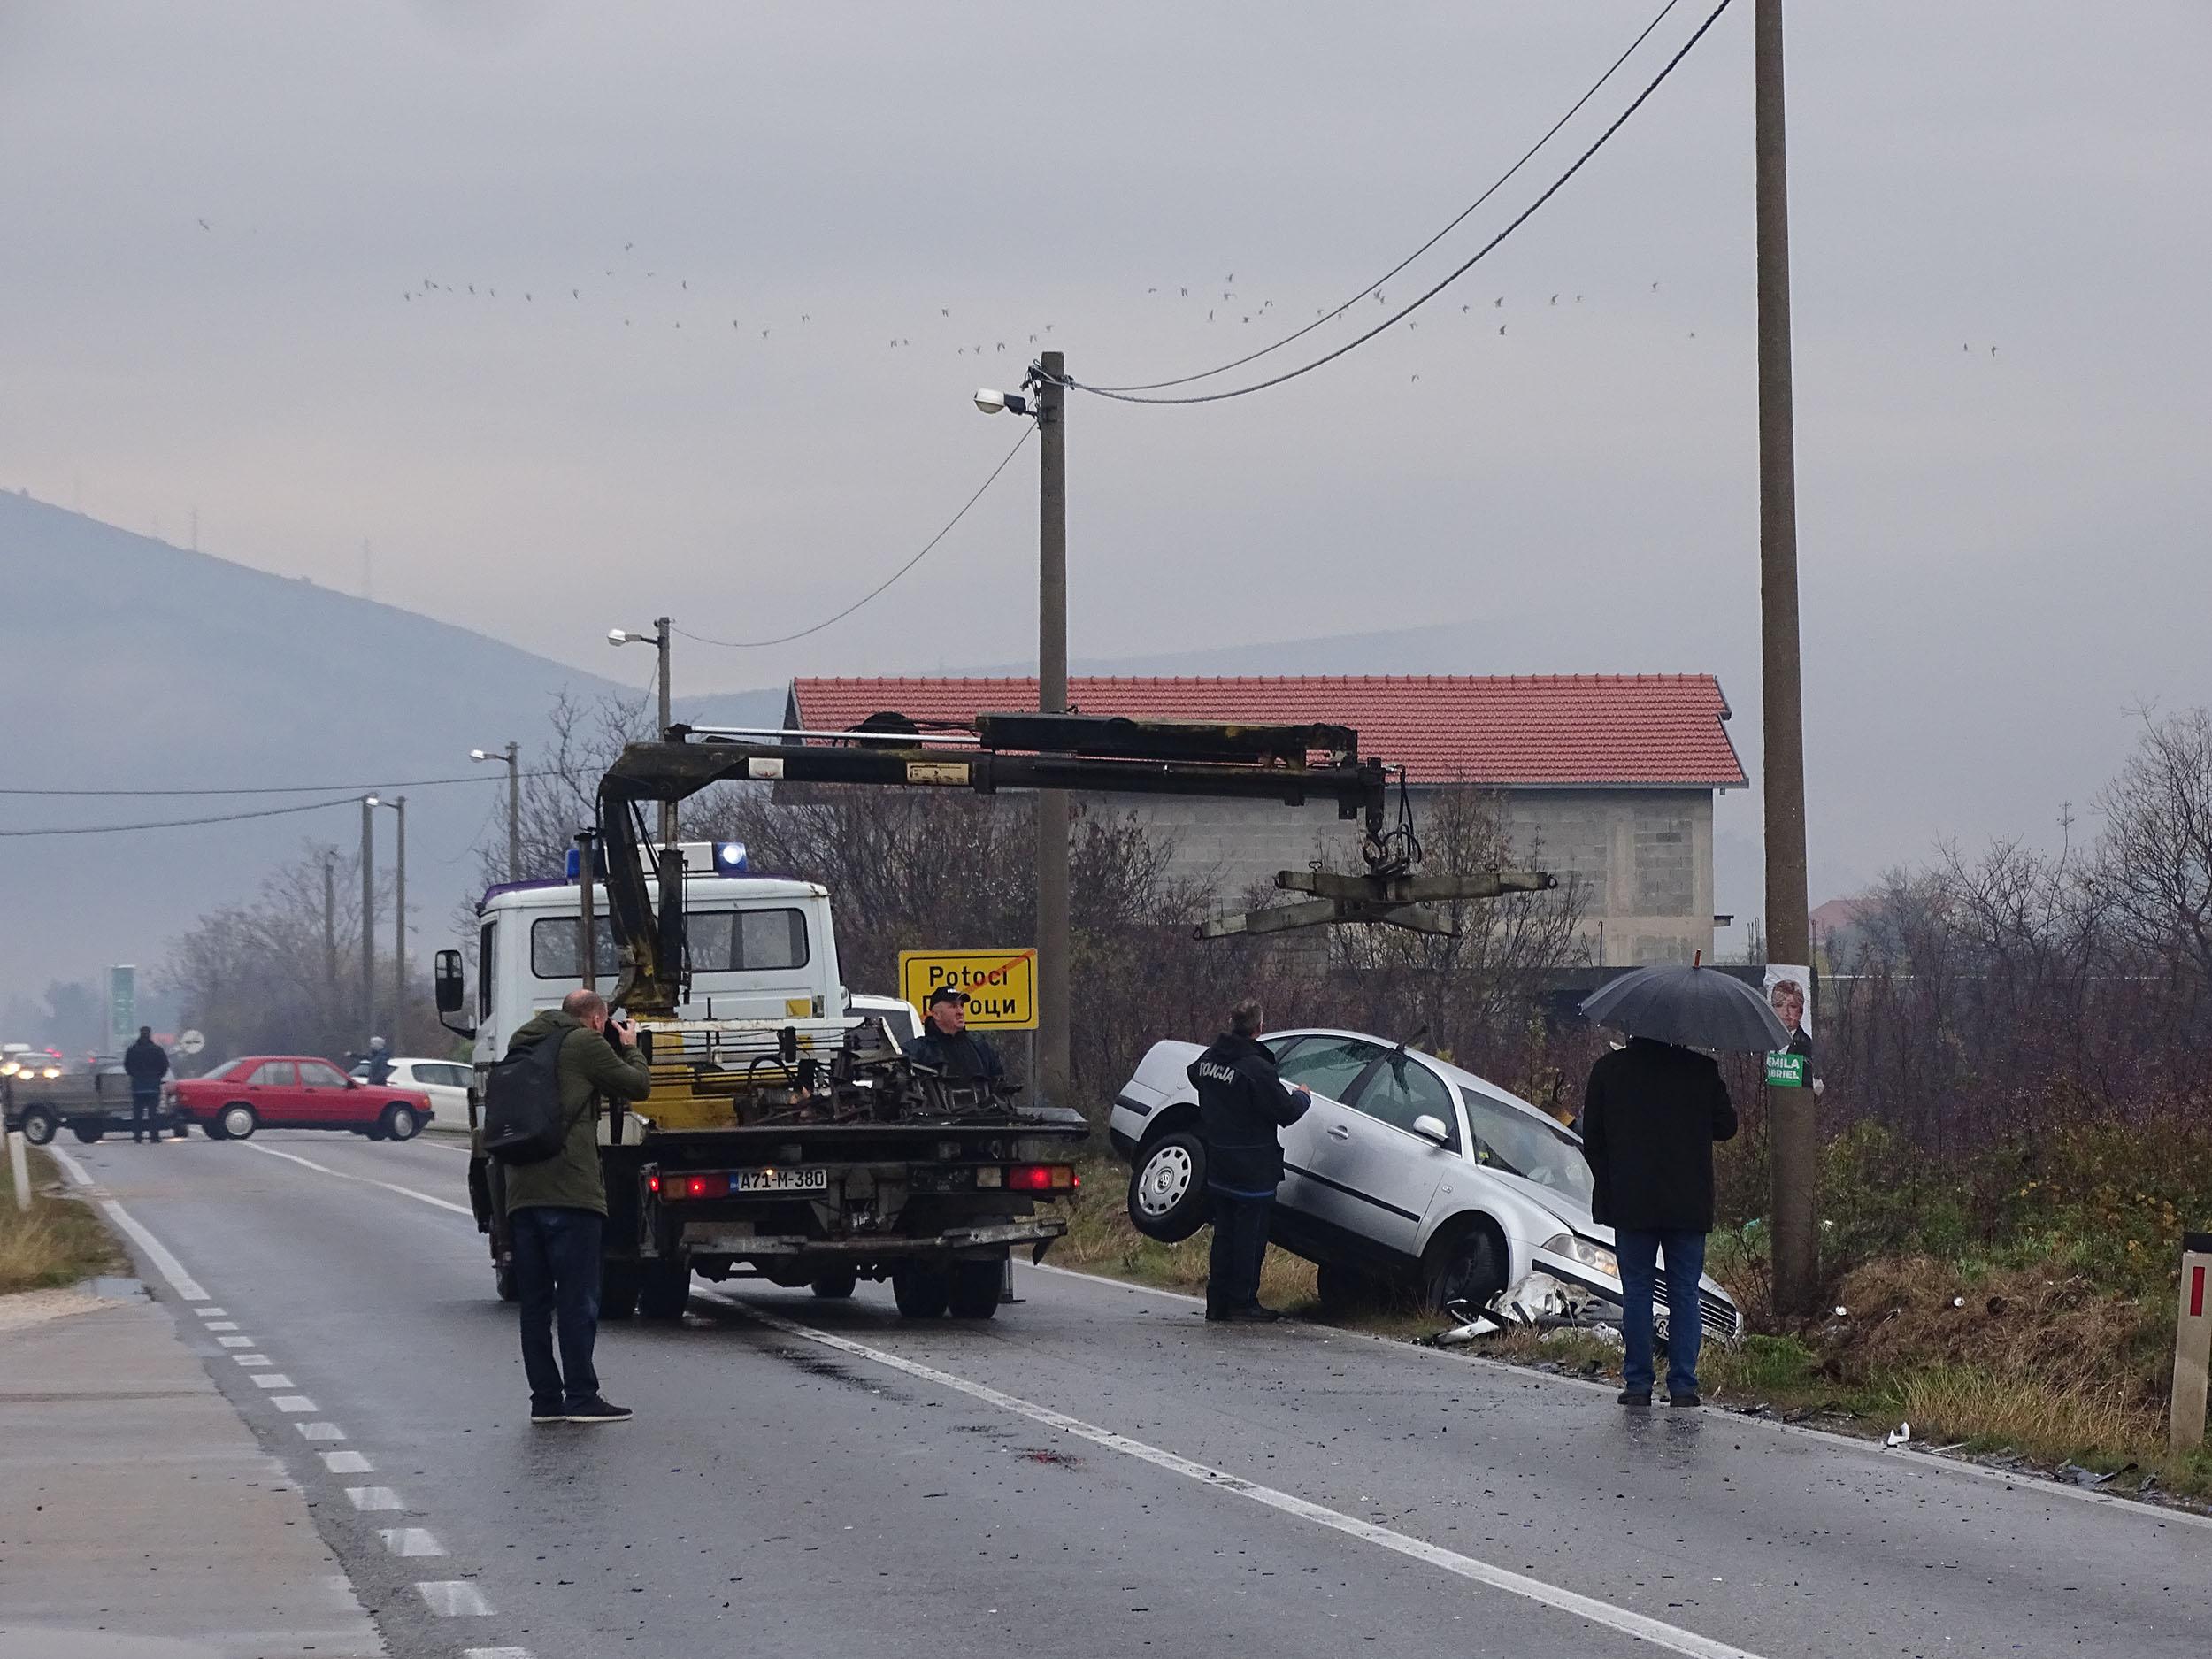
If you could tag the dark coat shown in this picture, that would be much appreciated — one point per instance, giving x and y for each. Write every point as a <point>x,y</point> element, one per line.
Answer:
<point>146,1063</point>
<point>1649,1118</point>
<point>963,1057</point>
<point>1242,1100</point>
<point>593,1068</point>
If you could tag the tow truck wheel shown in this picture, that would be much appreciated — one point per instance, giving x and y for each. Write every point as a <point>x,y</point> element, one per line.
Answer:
<point>39,1125</point>
<point>922,1291</point>
<point>665,1289</point>
<point>837,1285</point>
<point>87,1132</point>
<point>1167,1187</point>
<point>975,1287</point>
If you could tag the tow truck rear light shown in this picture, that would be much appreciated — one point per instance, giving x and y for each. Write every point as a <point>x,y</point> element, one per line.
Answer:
<point>673,1184</point>
<point>1041,1177</point>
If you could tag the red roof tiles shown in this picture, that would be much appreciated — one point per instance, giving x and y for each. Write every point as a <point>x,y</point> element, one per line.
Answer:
<point>1547,729</point>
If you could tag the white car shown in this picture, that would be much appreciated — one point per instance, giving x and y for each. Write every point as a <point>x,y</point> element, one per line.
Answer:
<point>446,1082</point>
<point>1407,1172</point>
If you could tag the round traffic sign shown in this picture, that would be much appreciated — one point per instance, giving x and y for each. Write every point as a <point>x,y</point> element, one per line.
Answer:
<point>190,1042</point>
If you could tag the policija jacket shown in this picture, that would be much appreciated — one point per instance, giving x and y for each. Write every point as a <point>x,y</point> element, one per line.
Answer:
<point>1242,1100</point>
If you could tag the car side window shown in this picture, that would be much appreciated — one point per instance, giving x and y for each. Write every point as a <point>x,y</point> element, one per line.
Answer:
<point>1402,1089</point>
<point>321,1076</point>
<point>452,1076</point>
<point>271,1074</point>
<point>1329,1065</point>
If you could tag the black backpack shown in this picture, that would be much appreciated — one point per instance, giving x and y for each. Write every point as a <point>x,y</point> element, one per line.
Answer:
<point>523,1120</point>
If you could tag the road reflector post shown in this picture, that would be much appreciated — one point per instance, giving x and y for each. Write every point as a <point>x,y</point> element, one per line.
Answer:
<point>18,1166</point>
<point>2193,1342</point>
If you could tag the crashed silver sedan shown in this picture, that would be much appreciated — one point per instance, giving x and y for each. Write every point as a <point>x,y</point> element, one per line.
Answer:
<point>1407,1174</point>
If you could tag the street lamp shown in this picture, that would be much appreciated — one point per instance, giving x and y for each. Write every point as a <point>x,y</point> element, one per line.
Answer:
<point>658,638</point>
<point>1043,397</point>
<point>398,804</point>
<point>512,755</point>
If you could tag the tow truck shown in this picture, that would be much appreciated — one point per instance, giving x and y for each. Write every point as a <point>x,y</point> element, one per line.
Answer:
<point>788,1136</point>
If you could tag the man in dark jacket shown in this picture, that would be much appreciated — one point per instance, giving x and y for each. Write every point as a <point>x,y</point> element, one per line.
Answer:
<point>557,1208</point>
<point>1649,1118</point>
<point>1242,1100</point>
<point>948,1044</point>
<point>146,1063</point>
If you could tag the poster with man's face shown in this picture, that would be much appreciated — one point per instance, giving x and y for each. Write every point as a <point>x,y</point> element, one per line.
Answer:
<point>1789,994</point>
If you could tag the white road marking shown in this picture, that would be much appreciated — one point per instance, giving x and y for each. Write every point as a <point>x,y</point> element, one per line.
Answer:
<point>212,1313</point>
<point>320,1431</point>
<point>234,1341</point>
<point>389,1187</point>
<point>374,1498</point>
<point>454,1598</point>
<point>494,1653</point>
<point>410,1540</point>
<point>251,1359</point>
<point>220,1325</point>
<point>292,1402</point>
<point>187,1288</point>
<point>347,1463</point>
<point>1645,1628</point>
<point>275,1379</point>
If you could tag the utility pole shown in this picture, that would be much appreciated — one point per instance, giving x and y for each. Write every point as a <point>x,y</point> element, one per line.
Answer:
<point>330,935</point>
<point>399,921</point>
<point>663,632</point>
<point>368,921</point>
<point>1793,1137</point>
<point>587,920</point>
<point>514,811</point>
<point>1052,698</point>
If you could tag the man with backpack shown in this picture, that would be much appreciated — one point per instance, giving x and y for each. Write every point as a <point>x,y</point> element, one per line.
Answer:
<point>556,1200</point>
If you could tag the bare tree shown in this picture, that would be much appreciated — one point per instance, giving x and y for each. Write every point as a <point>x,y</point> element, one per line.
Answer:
<point>2157,847</point>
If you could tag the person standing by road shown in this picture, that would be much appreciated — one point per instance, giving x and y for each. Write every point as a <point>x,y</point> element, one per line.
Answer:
<point>1242,1100</point>
<point>146,1063</point>
<point>948,1044</point>
<point>379,1063</point>
<point>1650,1115</point>
<point>556,1209</point>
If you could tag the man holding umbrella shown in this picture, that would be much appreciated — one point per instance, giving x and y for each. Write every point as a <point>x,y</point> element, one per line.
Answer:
<point>1650,1115</point>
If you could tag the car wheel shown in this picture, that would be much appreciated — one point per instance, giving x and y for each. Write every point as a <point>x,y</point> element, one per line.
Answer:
<point>920,1291</point>
<point>39,1125</point>
<point>213,1128</point>
<point>1342,1289</point>
<point>1167,1187</point>
<point>836,1287</point>
<point>399,1123</point>
<point>87,1132</point>
<point>1466,1269</point>
<point>665,1289</point>
<point>504,1280</point>
<point>239,1121</point>
<point>974,1290</point>
<point>617,1290</point>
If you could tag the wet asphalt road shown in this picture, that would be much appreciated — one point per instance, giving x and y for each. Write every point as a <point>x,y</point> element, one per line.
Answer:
<point>1097,1472</point>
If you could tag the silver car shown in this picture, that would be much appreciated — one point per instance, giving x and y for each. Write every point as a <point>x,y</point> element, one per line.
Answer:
<point>1407,1173</point>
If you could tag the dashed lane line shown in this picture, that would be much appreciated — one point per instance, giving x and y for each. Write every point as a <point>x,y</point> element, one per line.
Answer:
<point>320,1431</point>
<point>373,1498</point>
<point>294,1403</point>
<point>1642,1626</point>
<point>275,1379</point>
<point>187,1288</point>
<point>454,1598</point>
<point>410,1540</point>
<point>365,1180</point>
<point>347,1463</point>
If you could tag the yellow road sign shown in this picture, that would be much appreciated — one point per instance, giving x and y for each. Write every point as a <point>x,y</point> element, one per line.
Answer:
<point>1002,985</point>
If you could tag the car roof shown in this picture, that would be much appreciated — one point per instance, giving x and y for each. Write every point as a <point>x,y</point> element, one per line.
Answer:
<point>1458,1074</point>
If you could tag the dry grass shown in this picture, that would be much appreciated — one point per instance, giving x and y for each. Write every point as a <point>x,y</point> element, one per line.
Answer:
<point>56,1241</point>
<point>1101,1240</point>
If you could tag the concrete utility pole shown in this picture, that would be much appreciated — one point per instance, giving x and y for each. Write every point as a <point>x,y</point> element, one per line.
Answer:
<point>513,753</point>
<point>1052,698</point>
<point>330,932</point>
<point>660,637</point>
<point>368,921</point>
<point>399,920</point>
<point>1793,1138</point>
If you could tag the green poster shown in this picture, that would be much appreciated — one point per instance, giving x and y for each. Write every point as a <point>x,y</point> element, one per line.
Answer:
<point>1785,1071</point>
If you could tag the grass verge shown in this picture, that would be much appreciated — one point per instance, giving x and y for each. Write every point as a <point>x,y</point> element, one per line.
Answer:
<point>58,1240</point>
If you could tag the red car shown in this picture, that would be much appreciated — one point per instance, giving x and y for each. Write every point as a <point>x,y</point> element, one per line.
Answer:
<point>292,1091</point>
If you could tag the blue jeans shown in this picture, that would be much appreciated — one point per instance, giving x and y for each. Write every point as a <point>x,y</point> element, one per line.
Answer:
<point>1639,1254</point>
<point>556,1273</point>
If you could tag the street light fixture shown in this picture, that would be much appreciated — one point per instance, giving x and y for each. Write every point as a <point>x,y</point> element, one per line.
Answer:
<point>658,638</point>
<point>512,755</point>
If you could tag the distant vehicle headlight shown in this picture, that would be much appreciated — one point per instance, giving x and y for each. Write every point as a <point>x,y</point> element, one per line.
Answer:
<point>8,1068</point>
<point>1582,1250</point>
<point>51,1070</point>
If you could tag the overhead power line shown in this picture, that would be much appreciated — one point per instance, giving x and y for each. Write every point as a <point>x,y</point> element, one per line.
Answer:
<point>1396,317</point>
<point>180,823</point>
<point>1503,179</point>
<point>785,638</point>
<point>288,788</point>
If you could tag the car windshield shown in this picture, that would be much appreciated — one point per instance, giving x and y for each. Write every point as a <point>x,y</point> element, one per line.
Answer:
<point>1520,1143</point>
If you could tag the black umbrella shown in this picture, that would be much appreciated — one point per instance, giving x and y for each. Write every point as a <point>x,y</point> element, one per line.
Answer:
<point>1695,1007</point>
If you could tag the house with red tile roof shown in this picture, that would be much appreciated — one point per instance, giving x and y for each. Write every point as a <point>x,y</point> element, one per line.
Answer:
<point>1607,778</point>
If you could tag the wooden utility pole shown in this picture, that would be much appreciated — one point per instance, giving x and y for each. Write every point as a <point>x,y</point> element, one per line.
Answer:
<point>1052,698</point>
<point>1792,1137</point>
<point>368,920</point>
<point>399,919</point>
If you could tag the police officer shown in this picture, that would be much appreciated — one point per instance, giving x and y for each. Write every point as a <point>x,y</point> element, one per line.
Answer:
<point>1242,1100</point>
<point>947,1044</point>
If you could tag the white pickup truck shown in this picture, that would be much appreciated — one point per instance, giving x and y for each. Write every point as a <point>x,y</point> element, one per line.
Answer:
<point>786,1136</point>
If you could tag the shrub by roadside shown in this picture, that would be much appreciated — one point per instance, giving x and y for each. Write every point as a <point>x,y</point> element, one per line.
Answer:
<point>58,1240</point>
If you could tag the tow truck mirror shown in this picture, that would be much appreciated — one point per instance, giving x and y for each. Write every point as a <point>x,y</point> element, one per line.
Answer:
<point>450,985</point>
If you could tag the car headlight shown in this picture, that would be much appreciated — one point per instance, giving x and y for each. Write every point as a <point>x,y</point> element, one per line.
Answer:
<point>8,1068</point>
<point>1591,1255</point>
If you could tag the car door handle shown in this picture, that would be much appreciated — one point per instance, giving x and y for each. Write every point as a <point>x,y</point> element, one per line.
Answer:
<point>1340,1132</point>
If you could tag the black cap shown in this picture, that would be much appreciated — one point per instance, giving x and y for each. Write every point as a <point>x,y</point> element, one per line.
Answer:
<point>947,994</point>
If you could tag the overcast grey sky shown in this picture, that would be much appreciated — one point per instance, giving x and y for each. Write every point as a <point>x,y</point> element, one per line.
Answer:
<point>212,215</point>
